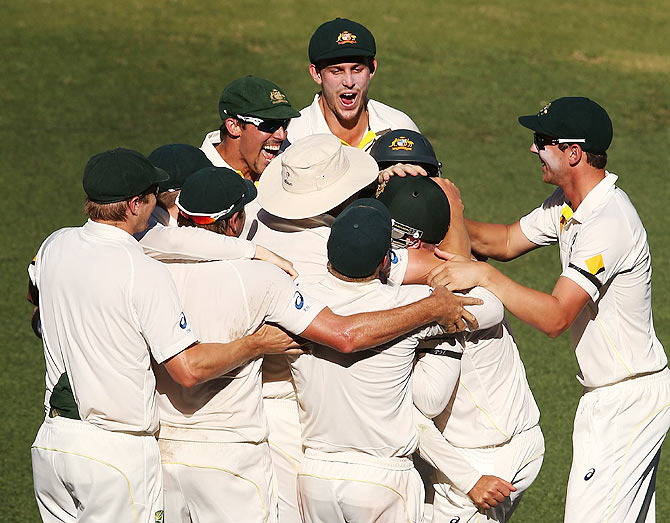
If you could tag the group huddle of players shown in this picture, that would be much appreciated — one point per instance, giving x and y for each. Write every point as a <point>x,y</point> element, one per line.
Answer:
<point>276,325</point>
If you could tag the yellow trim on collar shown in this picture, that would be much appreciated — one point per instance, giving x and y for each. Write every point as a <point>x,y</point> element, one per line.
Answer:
<point>369,137</point>
<point>566,214</point>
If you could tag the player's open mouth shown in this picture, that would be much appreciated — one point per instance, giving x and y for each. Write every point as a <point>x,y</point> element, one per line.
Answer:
<point>348,99</point>
<point>270,150</point>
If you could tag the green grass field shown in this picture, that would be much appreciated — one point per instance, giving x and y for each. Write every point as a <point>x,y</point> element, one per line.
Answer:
<point>81,77</point>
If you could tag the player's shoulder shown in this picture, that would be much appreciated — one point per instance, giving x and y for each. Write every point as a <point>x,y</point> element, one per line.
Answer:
<point>406,294</point>
<point>389,116</point>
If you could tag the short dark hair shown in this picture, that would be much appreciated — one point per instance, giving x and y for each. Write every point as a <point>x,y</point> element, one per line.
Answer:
<point>218,227</point>
<point>599,161</point>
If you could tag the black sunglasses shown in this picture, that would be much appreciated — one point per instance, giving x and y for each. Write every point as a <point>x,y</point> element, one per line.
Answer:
<point>542,140</point>
<point>267,126</point>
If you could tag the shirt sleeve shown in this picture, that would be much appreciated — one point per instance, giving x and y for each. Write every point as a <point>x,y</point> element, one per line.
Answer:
<point>542,225</point>
<point>399,261</point>
<point>435,376</point>
<point>194,244</point>
<point>159,312</point>
<point>490,313</point>
<point>443,456</point>
<point>597,255</point>
<point>287,306</point>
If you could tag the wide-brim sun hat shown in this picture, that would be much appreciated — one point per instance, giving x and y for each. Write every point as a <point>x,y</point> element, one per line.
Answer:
<point>314,175</point>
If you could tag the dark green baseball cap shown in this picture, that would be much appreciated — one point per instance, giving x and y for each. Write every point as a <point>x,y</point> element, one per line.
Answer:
<point>180,161</point>
<point>119,174</point>
<point>573,118</point>
<point>359,238</point>
<point>252,96</point>
<point>214,192</point>
<point>341,37</point>
<point>405,146</point>
<point>419,208</point>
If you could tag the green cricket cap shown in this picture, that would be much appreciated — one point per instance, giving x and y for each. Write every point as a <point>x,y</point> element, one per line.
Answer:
<point>359,238</point>
<point>339,38</point>
<point>215,192</point>
<point>254,96</point>
<point>119,174</point>
<point>180,161</point>
<point>405,146</point>
<point>418,203</point>
<point>573,117</point>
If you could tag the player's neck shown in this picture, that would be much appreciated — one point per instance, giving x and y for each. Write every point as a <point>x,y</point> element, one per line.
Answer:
<point>230,154</point>
<point>581,184</point>
<point>350,131</point>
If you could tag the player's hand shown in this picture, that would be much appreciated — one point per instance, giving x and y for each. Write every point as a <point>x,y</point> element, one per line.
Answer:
<point>267,255</point>
<point>451,310</point>
<point>489,491</point>
<point>458,273</point>
<point>275,340</point>
<point>402,170</point>
<point>453,194</point>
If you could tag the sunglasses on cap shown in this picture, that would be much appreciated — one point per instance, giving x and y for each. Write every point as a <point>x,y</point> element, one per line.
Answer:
<point>542,140</point>
<point>269,126</point>
<point>206,218</point>
<point>403,235</point>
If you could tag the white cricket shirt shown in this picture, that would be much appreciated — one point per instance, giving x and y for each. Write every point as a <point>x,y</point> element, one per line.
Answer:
<point>360,402</point>
<point>603,248</point>
<point>106,310</point>
<point>227,300</point>
<point>382,118</point>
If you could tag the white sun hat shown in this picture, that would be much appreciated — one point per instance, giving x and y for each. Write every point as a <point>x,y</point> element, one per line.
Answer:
<point>312,176</point>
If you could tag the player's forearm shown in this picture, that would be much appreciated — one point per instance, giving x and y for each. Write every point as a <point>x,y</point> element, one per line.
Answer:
<point>457,240</point>
<point>205,361</point>
<point>538,309</point>
<point>489,239</point>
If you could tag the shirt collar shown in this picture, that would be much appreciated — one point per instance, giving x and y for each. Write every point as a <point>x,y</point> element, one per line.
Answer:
<point>106,231</point>
<point>594,197</point>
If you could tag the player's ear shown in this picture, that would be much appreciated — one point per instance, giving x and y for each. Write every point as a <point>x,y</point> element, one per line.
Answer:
<point>373,67</point>
<point>315,73</point>
<point>233,126</point>
<point>576,154</point>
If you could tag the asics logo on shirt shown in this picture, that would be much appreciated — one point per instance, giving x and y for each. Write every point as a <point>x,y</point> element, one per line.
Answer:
<point>589,474</point>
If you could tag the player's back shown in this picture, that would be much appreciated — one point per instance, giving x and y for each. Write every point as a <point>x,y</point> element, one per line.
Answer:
<point>359,402</point>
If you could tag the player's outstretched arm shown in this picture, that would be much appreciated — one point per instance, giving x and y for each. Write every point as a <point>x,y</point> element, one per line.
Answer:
<point>498,241</point>
<point>267,255</point>
<point>370,329</point>
<point>204,361</point>
<point>552,313</point>
<point>456,240</point>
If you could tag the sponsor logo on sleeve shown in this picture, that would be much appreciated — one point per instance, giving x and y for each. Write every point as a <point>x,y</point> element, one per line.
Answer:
<point>394,257</point>
<point>589,474</point>
<point>595,265</point>
<point>182,321</point>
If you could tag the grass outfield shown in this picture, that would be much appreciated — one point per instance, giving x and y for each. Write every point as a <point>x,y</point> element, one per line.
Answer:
<point>81,77</point>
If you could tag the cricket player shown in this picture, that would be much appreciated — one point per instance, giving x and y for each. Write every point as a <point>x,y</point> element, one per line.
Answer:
<point>107,311</point>
<point>213,437</point>
<point>255,114</point>
<point>342,63</point>
<point>491,417</point>
<point>604,295</point>
<point>162,240</point>
<point>356,410</point>
<point>300,195</point>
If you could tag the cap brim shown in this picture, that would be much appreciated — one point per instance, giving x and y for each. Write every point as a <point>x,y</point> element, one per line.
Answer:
<point>343,53</point>
<point>278,201</point>
<point>161,175</point>
<point>279,112</point>
<point>532,122</point>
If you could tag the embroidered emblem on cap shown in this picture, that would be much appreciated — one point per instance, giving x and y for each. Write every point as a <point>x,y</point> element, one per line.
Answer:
<point>277,97</point>
<point>544,109</point>
<point>345,37</point>
<point>401,143</point>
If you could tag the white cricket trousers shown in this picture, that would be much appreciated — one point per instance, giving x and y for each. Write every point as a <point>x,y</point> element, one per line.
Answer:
<point>217,482</point>
<point>616,445</point>
<point>354,487</point>
<point>518,461</point>
<point>87,474</point>
<point>286,451</point>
